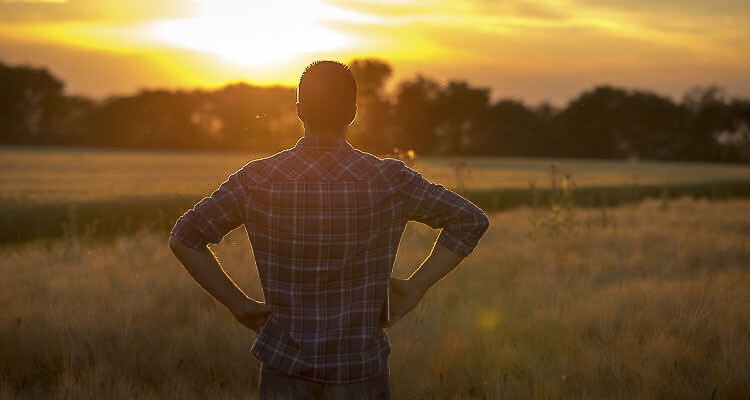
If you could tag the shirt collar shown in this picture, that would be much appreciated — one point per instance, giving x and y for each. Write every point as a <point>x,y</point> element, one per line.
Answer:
<point>322,143</point>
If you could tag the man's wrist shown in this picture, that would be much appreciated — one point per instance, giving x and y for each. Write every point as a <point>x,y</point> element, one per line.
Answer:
<point>242,304</point>
<point>419,284</point>
<point>237,304</point>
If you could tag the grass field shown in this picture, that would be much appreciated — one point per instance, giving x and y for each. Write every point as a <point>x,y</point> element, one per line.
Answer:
<point>54,175</point>
<point>645,300</point>
<point>642,301</point>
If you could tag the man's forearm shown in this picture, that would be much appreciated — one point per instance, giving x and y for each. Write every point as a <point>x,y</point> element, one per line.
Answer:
<point>206,270</point>
<point>438,264</point>
<point>405,294</point>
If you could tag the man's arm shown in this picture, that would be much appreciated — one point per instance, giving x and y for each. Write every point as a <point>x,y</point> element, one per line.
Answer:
<point>207,271</point>
<point>208,222</point>
<point>462,223</point>
<point>405,294</point>
<point>438,264</point>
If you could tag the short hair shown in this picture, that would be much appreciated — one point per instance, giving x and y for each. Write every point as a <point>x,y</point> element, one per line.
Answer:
<point>328,91</point>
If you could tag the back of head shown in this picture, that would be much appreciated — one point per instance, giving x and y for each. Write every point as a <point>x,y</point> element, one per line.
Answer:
<point>327,96</point>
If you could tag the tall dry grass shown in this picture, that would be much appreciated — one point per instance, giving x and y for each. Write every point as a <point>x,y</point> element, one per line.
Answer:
<point>644,301</point>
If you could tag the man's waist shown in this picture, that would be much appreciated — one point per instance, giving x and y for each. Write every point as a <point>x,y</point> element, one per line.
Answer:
<point>345,357</point>
<point>316,337</point>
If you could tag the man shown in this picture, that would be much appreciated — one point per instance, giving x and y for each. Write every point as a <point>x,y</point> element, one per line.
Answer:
<point>325,221</point>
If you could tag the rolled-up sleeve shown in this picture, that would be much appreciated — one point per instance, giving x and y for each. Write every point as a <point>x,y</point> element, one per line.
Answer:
<point>212,217</point>
<point>462,222</point>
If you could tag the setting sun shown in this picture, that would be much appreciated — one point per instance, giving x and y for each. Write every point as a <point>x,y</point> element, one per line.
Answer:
<point>258,33</point>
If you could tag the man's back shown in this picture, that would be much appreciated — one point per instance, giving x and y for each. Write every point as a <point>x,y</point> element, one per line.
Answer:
<point>324,221</point>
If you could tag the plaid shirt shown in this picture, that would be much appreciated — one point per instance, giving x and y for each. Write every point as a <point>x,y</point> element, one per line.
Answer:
<point>324,221</point>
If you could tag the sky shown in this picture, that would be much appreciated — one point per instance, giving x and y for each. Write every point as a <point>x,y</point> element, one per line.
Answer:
<point>535,51</point>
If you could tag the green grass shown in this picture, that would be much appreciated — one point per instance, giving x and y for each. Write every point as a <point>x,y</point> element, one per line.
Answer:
<point>109,218</point>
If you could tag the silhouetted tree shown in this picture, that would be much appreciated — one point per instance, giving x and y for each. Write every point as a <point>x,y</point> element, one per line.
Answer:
<point>236,117</point>
<point>733,144</point>
<point>611,122</point>
<point>542,144</point>
<point>459,110</point>
<point>604,122</point>
<point>511,129</point>
<point>31,105</point>
<point>73,128</point>
<point>414,115</point>
<point>253,117</point>
<point>371,130</point>
<point>150,119</point>
<point>707,114</point>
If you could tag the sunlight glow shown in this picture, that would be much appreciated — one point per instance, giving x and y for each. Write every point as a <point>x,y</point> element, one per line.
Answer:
<point>488,319</point>
<point>541,51</point>
<point>33,1</point>
<point>259,33</point>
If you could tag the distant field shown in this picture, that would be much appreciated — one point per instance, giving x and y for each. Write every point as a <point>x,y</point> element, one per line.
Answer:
<point>647,301</point>
<point>53,175</point>
<point>51,193</point>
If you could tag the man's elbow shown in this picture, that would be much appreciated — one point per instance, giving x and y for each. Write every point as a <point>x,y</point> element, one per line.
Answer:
<point>175,244</point>
<point>179,247</point>
<point>483,221</point>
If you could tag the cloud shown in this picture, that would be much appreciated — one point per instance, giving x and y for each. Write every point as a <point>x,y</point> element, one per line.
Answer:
<point>409,10</point>
<point>92,10</point>
<point>672,8</point>
<point>33,1</point>
<point>524,9</point>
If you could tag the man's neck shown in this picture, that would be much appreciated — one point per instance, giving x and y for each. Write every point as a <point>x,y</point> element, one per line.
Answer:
<point>332,133</point>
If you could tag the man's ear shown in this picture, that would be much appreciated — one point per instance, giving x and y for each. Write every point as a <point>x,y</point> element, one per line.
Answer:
<point>300,112</point>
<point>352,115</point>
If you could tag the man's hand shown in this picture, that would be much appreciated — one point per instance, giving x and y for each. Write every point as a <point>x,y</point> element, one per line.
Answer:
<point>253,314</point>
<point>404,294</point>
<point>206,270</point>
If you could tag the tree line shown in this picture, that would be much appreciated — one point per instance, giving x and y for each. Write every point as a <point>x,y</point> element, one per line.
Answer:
<point>430,117</point>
